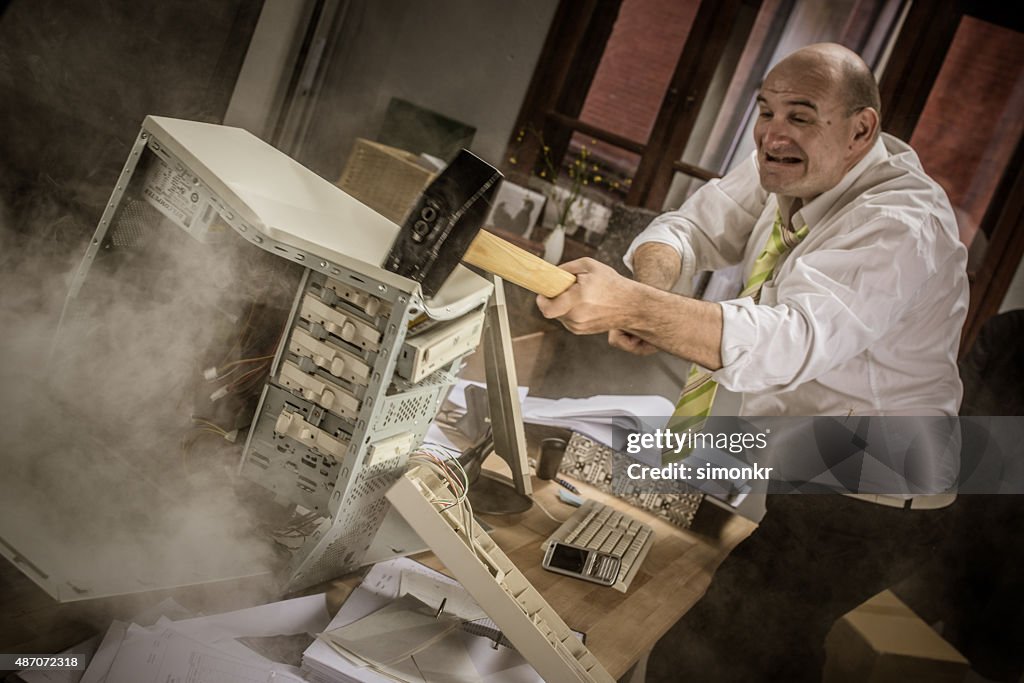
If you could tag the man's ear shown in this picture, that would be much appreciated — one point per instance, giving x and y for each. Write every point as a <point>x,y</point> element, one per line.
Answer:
<point>865,128</point>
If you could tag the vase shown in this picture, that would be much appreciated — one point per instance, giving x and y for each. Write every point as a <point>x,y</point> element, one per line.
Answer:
<point>554,245</point>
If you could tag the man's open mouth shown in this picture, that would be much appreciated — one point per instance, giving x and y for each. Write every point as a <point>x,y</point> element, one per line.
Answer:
<point>782,159</point>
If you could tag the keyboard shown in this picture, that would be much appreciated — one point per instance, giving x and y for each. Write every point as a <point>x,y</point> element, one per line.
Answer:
<point>601,527</point>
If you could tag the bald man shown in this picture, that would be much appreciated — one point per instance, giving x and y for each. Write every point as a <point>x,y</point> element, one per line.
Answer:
<point>860,316</point>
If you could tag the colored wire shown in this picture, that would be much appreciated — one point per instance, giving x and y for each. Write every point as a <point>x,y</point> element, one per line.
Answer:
<point>239,381</point>
<point>447,466</point>
<point>216,429</point>
<point>235,365</point>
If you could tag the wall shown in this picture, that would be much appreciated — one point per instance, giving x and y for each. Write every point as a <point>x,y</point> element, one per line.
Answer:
<point>978,94</point>
<point>637,66</point>
<point>78,76</point>
<point>263,79</point>
<point>465,60</point>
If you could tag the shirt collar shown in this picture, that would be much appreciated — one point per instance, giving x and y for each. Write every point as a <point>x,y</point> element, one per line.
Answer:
<point>813,211</point>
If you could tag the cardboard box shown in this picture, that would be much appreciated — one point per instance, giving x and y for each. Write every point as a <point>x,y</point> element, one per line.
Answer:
<point>386,179</point>
<point>883,641</point>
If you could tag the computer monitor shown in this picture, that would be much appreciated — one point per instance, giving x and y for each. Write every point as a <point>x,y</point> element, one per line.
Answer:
<point>256,289</point>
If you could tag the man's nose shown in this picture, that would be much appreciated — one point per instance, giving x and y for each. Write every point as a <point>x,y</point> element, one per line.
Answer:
<point>773,134</point>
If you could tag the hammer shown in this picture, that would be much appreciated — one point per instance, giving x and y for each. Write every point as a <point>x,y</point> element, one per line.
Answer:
<point>445,227</point>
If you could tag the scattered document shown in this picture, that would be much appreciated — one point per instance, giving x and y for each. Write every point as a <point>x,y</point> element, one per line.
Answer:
<point>85,649</point>
<point>434,591</point>
<point>402,628</point>
<point>596,415</point>
<point>299,615</point>
<point>455,658</point>
<point>101,662</point>
<point>160,655</point>
<point>593,416</point>
<point>447,661</point>
<point>203,649</point>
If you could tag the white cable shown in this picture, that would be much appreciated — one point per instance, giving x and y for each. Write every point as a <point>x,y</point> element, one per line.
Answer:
<point>545,511</point>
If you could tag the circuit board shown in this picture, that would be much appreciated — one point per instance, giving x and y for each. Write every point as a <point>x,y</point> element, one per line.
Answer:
<point>594,463</point>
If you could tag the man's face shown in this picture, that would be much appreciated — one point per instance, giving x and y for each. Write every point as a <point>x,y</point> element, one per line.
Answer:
<point>802,133</point>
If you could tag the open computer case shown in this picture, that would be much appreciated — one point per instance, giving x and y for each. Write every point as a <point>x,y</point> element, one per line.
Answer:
<point>347,395</point>
<point>229,295</point>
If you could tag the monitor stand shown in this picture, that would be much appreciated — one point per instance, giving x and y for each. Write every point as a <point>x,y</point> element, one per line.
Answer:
<point>490,493</point>
<point>495,494</point>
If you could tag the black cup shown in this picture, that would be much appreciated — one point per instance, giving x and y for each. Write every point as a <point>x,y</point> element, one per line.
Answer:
<point>551,453</point>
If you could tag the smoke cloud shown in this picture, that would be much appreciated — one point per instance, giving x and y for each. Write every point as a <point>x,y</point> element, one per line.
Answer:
<point>120,468</point>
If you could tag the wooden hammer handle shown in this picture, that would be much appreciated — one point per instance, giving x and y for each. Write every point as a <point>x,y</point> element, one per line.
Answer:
<point>518,266</point>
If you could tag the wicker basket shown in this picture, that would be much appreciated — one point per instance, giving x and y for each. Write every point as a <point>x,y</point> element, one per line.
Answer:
<point>387,179</point>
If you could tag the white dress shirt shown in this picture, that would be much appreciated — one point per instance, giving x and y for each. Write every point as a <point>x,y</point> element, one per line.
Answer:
<point>862,317</point>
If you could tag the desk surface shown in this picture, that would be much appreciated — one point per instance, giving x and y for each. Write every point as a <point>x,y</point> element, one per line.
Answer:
<point>620,627</point>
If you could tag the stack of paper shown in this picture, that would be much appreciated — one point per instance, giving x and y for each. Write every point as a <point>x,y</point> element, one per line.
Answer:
<point>402,640</point>
<point>391,629</point>
<point>197,650</point>
<point>594,416</point>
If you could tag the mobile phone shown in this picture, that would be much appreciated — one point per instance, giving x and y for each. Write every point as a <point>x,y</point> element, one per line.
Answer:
<point>582,563</point>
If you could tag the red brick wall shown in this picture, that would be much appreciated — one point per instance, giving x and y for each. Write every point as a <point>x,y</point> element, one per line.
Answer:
<point>642,52</point>
<point>974,117</point>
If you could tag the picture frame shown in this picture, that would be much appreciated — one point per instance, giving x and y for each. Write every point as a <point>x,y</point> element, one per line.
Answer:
<point>516,209</point>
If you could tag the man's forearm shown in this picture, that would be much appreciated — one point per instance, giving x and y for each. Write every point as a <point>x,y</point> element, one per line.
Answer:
<point>656,264</point>
<point>680,325</point>
<point>602,300</point>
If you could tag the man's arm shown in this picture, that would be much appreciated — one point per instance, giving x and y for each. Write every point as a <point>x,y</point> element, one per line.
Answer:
<point>710,231</point>
<point>602,300</point>
<point>658,265</point>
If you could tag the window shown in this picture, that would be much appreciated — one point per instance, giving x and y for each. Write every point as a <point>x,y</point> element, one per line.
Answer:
<point>660,92</point>
<point>625,79</point>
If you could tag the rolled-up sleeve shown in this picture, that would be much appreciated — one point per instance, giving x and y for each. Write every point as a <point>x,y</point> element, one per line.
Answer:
<point>711,229</point>
<point>832,304</point>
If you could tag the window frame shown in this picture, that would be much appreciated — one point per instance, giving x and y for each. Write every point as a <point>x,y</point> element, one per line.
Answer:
<point>568,62</point>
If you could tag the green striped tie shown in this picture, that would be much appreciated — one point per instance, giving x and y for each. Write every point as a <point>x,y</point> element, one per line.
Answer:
<point>694,404</point>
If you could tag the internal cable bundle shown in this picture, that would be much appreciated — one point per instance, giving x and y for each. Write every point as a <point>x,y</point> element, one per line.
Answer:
<point>440,460</point>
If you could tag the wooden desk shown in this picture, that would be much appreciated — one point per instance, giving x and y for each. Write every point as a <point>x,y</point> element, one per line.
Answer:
<point>620,627</point>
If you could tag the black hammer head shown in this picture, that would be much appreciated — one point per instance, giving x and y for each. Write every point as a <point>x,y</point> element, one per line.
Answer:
<point>447,217</point>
